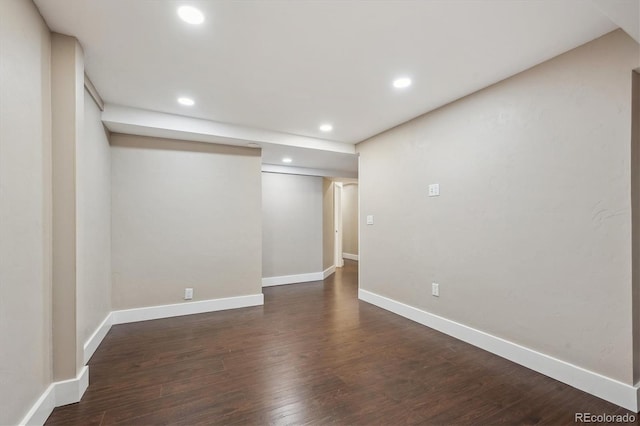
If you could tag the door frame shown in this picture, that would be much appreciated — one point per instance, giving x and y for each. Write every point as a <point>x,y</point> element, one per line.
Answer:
<point>337,224</point>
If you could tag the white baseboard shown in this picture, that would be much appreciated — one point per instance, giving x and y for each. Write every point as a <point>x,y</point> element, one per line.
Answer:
<point>70,391</point>
<point>165,311</point>
<point>350,256</point>
<point>188,308</point>
<point>42,409</point>
<point>292,279</point>
<point>614,391</point>
<point>327,272</point>
<point>56,395</point>
<point>94,341</point>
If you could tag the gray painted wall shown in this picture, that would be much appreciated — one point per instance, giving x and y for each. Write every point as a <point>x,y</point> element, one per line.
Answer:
<point>93,173</point>
<point>350,218</point>
<point>184,214</point>
<point>292,224</point>
<point>530,239</point>
<point>328,229</point>
<point>25,208</point>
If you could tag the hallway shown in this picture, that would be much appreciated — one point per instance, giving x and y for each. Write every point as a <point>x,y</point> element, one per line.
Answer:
<point>313,354</point>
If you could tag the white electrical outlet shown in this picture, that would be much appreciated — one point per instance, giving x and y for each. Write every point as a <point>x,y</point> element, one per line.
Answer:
<point>434,190</point>
<point>435,289</point>
<point>188,293</point>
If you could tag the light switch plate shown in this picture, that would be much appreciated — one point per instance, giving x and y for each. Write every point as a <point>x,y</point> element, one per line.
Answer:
<point>435,289</point>
<point>434,190</point>
<point>370,219</point>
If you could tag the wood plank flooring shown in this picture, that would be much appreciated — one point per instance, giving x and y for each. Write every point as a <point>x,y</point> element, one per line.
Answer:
<point>313,354</point>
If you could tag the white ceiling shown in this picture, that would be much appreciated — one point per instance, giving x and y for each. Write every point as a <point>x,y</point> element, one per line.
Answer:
<point>285,67</point>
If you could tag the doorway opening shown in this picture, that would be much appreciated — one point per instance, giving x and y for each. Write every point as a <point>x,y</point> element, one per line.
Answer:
<point>346,221</point>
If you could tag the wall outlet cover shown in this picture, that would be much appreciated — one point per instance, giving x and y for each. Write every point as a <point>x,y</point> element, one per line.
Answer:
<point>188,293</point>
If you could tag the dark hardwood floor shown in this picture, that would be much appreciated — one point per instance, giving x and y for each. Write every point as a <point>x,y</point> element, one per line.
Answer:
<point>313,354</point>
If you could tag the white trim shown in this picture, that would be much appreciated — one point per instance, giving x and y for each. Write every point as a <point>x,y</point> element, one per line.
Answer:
<point>292,279</point>
<point>91,89</point>
<point>42,409</point>
<point>56,395</point>
<point>189,308</point>
<point>96,338</point>
<point>327,272</point>
<point>165,311</point>
<point>337,224</point>
<point>350,256</point>
<point>134,121</point>
<point>596,384</point>
<point>70,391</point>
<point>307,171</point>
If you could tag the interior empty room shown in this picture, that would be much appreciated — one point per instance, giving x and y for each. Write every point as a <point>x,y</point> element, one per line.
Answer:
<point>319,212</point>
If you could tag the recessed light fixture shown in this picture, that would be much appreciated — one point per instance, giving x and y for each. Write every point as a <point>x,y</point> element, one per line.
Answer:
<point>190,15</point>
<point>186,101</point>
<point>326,127</point>
<point>286,160</point>
<point>401,83</point>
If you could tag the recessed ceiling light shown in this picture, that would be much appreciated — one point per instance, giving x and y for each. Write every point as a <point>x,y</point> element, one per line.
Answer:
<point>326,127</point>
<point>186,101</point>
<point>286,160</point>
<point>190,15</point>
<point>401,83</point>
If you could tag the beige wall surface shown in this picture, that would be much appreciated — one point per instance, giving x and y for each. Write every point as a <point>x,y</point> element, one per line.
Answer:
<point>350,218</point>
<point>635,208</point>
<point>328,229</point>
<point>93,222</point>
<point>530,238</point>
<point>25,209</point>
<point>67,100</point>
<point>184,214</point>
<point>291,224</point>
